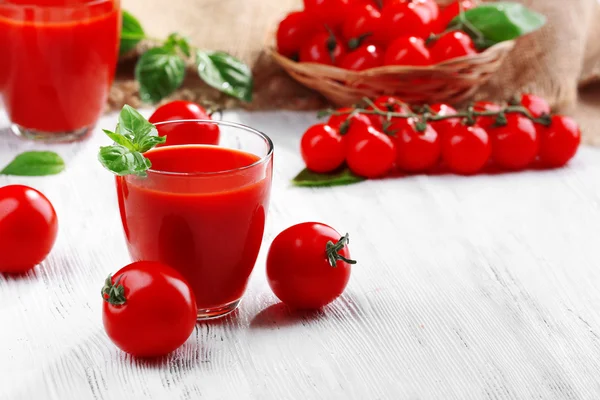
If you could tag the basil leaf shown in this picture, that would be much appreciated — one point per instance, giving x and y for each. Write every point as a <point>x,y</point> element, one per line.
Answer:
<point>160,71</point>
<point>120,139</point>
<point>122,161</point>
<point>492,23</point>
<point>35,163</point>
<point>341,177</point>
<point>137,129</point>
<point>175,40</point>
<point>225,73</point>
<point>146,143</point>
<point>131,33</point>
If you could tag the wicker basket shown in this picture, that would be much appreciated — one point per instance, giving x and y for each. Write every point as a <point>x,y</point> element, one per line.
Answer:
<point>452,81</point>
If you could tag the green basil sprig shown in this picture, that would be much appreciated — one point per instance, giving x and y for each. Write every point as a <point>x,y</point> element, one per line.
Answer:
<point>343,176</point>
<point>491,23</point>
<point>133,136</point>
<point>161,70</point>
<point>35,163</point>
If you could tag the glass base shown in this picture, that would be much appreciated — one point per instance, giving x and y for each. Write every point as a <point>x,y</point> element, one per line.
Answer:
<point>213,313</point>
<point>50,137</point>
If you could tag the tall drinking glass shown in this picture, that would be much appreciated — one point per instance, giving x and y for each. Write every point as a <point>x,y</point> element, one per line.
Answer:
<point>58,62</point>
<point>201,209</point>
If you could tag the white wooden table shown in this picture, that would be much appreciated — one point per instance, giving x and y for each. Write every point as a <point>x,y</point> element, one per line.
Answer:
<point>485,287</point>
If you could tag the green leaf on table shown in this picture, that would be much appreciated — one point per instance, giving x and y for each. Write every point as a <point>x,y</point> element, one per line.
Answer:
<point>123,161</point>
<point>225,73</point>
<point>159,71</point>
<point>312,179</point>
<point>492,23</point>
<point>131,33</point>
<point>133,136</point>
<point>35,163</point>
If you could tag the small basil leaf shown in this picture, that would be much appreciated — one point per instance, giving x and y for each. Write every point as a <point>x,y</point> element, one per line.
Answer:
<point>341,177</point>
<point>146,143</point>
<point>120,139</point>
<point>35,163</point>
<point>131,33</point>
<point>225,73</point>
<point>132,122</point>
<point>160,72</point>
<point>122,161</point>
<point>175,40</point>
<point>492,23</point>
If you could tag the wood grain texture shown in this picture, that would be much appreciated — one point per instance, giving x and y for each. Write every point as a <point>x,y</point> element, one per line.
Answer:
<point>467,288</point>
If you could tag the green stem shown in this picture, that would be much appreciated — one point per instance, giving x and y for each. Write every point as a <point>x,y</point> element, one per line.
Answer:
<point>332,251</point>
<point>113,293</point>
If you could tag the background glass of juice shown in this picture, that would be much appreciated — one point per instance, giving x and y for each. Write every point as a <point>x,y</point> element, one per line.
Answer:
<point>58,62</point>
<point>202,209</point>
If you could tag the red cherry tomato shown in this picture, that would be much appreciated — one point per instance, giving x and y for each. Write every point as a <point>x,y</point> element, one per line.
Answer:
<point>445,126</point>
<point>466,150</point>
<point>514,145</point>
<point>417,151</point>
<point>486,122</point>
<point>293,31</point>
<point>323,48</point>
<point>308,265</point>
<point>362,21</point>
<point>536,105</point>
<point>341,123</point>
<point>407,50</point>
<point>364,57</point>
<point>386,103</point>
<point>448,13</point>
<point>369,153</point>
<point>559,141</point>
<point>201,133</point>
<point>322,148</point>
<point>149,310</point>
<point>452,45</point>
<point>28,228</point>
<point>407,19</point>
<point>330,12</point>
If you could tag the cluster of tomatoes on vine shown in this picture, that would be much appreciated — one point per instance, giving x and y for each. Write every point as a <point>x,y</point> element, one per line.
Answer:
<point>386,133</point>
<point>363,34</point>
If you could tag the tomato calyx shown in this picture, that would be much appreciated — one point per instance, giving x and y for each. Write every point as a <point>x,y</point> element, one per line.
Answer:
<point>113,293</point>
<point>332,251</point>
<point>355,43</point>
<point>331,44</point>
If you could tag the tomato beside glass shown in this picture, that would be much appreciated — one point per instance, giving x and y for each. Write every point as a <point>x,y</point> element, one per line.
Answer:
<point>149,310</point>
<point>304,270</point>
<point>201,133</point>
<point>28,228</point>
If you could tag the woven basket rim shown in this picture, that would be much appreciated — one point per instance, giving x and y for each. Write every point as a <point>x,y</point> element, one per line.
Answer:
<point>386,69</point>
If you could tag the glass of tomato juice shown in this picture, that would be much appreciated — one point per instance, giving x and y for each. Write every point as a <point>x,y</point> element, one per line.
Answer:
<point>201,208</point>
<point>58,62</point>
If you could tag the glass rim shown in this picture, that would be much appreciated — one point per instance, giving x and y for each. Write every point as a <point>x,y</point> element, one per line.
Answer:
<point>65,7</point>
<point>235,125</point>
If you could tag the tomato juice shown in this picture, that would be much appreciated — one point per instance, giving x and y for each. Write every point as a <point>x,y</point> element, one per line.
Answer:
<point>58,62</point>
<point>201,210</point>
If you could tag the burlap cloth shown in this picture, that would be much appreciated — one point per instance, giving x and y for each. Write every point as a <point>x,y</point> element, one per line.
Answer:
<point>560,62</point>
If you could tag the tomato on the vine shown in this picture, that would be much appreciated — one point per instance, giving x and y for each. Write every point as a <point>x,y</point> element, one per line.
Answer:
<point>369,153</point>
<point>466,150</point>
<point>559,141</point>
<point>452,45</point>
<point>293,31</point>
<point>341,123</point>
<point>329,12</point>
<point>407,50</point>
<point>322,148</point>
<point>149,310</point>
<point>417,151</point>
<point>515,144</point>
<point>536,105</point>
<point>387,104</point>
<point>451,11</point>
<point>28,228</point>
<point>365,57</point>
<point>400,18</point>
<point>308,265</point>
<point>200,133</point>
<point>362,21</point>
<point>323,48</point>
<point>487,121</point>
<point>444,126</point>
